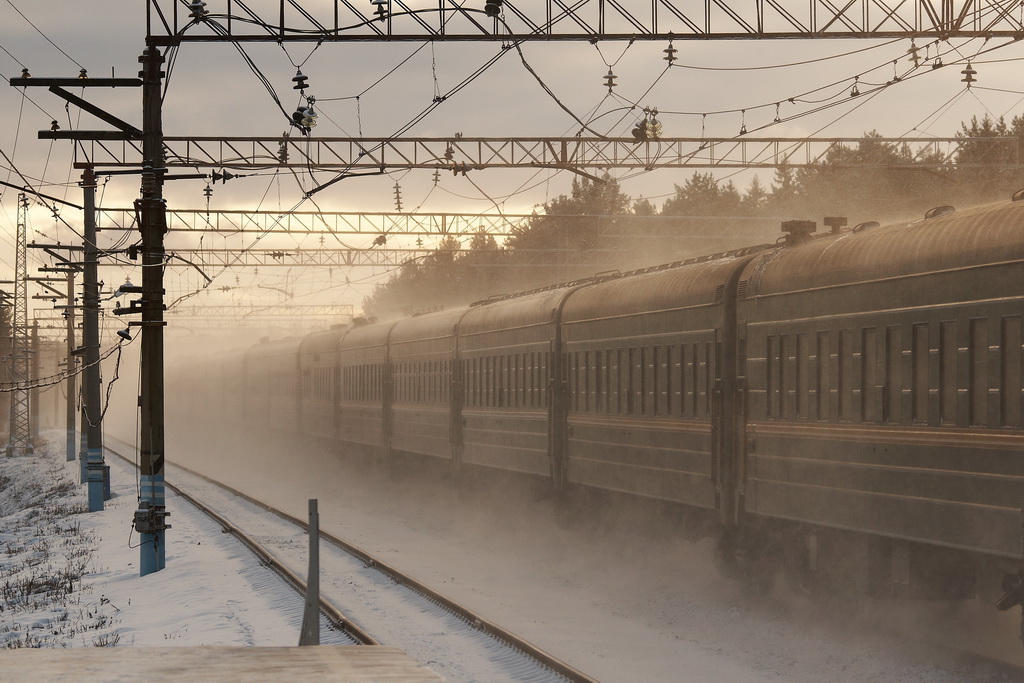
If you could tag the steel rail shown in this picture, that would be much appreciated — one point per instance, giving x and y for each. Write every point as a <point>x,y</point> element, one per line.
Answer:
<point>334,615</point>
<point>399,577</point>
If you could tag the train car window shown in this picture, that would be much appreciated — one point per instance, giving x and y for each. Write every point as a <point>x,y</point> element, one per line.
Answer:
<point>869,398</point>
<point>422,382</point>
<point>977,353</point>
<point>544,379</point>
<point>503,363</point>
<point>580,390</point>
<point>803,376</point>
<point>521,380</point>
<point>666,380</point>
<point>626,374</point>
<point>787,387</point>
<point>846,360</point>
<point>528,380</point>
<point>683,401</point>
<point>822,384</point>
<point>611,386</point>
<point>701,380</point>
<point>587,380</point>
<point>920,354</point>
<point>892,408</point>
<point>634,379</point>
<point>478,383</point>
<point>773,375</point>
<point>1010,371</point>
<point>947,372</point>
<point>538,384</point>
<point>654,398</point>
<point>486,381</point>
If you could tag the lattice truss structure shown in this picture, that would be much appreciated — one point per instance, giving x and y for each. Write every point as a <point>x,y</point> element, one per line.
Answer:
<point>357,20</point>
<point>20,440</point>
<point>461,155</point>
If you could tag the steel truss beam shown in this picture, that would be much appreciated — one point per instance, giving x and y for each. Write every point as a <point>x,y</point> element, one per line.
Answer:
<point>461,155</point>
<point>323,223</point>
<point>344,258</point>
<point>168,21</point>
<point>273,311</point>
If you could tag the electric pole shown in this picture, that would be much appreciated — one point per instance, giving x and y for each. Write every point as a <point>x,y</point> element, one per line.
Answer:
<point>150,518</point>
<point>72,385</point>
<point>92,414</point>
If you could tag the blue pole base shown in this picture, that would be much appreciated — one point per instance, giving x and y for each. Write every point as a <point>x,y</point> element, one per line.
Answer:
<point>152,557</point>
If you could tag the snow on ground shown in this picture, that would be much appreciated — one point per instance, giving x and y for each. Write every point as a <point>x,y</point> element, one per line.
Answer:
<point>618,601</point>
<point>70,578</point>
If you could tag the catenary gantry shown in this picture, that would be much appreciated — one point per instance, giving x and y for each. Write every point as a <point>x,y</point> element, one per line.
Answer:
<point>170,22</point>
<point>461,155</point>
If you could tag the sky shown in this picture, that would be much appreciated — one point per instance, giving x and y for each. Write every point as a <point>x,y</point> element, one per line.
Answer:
<point>375,89</point>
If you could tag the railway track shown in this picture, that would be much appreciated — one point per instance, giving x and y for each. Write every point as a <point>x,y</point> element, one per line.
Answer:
<point>393,607</point>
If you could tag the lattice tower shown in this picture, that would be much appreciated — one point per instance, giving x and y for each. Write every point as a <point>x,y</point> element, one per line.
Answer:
<point>21,433</point>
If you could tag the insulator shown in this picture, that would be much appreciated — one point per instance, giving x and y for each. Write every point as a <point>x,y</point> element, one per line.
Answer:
<point>198,9</point>
<point>609,80</point>
<point>969,75</point>
<point>492,8</point>
<point>25,73</point>
<point>640,131</point>
<point>54,125</point>
<point>670,54</point>
<point>912,51</point>
<point>299,80</point>
<point>654,127</point>
<point>381,7</point>
<point>83,74</point>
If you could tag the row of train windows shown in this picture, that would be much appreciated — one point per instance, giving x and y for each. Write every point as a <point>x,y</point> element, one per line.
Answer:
<point>517,380</point>
<point>317,385</point>
<point>425,382</point>
<point>949,373</point>
<point>674,380</point>
<point>362,382</point>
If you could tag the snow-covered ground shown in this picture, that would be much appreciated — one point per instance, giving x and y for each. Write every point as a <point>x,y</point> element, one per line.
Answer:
<point>212,592</point>
<point>621,600</point>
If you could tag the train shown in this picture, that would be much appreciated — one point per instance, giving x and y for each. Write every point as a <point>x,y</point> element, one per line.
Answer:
<point>847,402</point>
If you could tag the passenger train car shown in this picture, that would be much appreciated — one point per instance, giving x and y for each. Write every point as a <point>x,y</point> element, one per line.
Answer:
<point>847,402</point>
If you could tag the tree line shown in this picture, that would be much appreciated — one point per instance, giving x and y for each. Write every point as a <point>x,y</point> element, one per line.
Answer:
<point>597,227</point>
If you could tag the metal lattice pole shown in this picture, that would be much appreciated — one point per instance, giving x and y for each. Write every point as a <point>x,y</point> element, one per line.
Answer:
<point>20,438</point>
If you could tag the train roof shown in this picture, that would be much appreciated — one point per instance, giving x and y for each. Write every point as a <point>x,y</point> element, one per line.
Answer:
<point>988,234</point>
<point>431,325</point>
<point>373,334</point>
<point>526,310</point>
<point>278,347</point>
<point>325,341</point>
<point>676,286</point>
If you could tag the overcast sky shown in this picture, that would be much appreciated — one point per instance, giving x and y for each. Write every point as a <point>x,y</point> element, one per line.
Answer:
<point>213,92</point>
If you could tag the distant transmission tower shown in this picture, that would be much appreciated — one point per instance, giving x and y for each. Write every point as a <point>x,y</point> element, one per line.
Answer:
<point>20,442</point>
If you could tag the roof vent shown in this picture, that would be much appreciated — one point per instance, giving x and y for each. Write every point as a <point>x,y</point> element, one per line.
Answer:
<point>866,225</point>
<point>835,223</point>
<point>1018,195</point>
<point>944,210</point>
<point>798,231</point>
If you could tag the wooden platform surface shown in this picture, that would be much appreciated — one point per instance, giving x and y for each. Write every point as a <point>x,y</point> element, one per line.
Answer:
<point>351,663</point>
